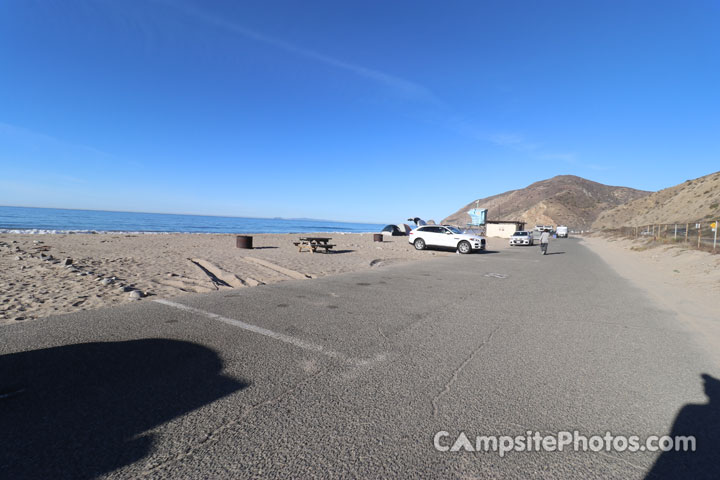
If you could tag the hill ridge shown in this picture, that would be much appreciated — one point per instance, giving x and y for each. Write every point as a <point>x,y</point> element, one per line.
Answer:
<point>561,200</point>
<point>693,200</point>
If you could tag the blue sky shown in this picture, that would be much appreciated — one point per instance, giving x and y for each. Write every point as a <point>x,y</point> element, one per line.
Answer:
<point>351,110</point>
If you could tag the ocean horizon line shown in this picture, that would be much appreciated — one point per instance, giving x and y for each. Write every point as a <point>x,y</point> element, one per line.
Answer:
<point>310,219</point>
<point>43,220</point>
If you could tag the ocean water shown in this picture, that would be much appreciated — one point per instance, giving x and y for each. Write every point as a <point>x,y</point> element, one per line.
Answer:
<point>55,220</point>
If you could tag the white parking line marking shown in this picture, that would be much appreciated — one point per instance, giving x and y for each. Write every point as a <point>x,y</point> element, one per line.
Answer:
<point>496,275</point>
<point>297,342</point>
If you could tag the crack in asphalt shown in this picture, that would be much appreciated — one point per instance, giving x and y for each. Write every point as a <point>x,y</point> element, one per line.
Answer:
<point>215,434</point>
<point>456,372</point>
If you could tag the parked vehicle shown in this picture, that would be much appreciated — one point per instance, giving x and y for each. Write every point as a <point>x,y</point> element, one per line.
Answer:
<point>562,231</point>
<point>399,230</point>
<point>522,238</point>
<point>446,236</point>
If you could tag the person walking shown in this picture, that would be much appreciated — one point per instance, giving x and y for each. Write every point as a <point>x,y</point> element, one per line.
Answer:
<point>544,239</point>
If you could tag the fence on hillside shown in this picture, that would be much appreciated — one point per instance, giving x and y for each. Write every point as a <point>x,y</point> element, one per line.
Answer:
<point>702,235</point>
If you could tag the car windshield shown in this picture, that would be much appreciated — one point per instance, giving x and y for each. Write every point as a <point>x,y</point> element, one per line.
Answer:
<point>454,230</point>
<point>520,234</point>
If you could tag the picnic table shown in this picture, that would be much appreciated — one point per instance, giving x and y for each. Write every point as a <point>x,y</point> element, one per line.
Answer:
<point>313,243</point>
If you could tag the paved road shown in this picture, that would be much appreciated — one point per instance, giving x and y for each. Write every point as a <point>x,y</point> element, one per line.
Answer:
<point>353,375</point>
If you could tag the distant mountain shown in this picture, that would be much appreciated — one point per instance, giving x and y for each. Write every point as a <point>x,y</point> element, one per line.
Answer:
<point>562,200</point>
<point>692,200</point>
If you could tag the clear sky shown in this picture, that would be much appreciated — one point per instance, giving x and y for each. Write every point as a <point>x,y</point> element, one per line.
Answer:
<point>348,110</point>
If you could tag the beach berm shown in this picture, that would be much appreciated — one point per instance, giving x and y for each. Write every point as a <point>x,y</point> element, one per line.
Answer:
<point>61,273</point>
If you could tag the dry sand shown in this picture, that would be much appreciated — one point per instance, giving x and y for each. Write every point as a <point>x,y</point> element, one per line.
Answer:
<point>108,269</point>
<point>677,278</point>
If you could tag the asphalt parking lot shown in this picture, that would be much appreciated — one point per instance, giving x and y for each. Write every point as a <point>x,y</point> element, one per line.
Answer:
<point>354,375</point>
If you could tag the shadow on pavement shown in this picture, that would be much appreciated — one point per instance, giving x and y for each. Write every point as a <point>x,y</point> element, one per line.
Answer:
<point>555,253</point>
<point>703,422</point>
<point>79,411</point>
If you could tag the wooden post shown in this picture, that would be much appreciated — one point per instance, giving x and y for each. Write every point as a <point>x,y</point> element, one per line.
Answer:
<point>675,232</point>
<point>699,233</point>
<point>687,231</point>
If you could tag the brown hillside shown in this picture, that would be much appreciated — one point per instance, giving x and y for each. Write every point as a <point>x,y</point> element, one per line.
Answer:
<point>562,200</point>
<point>690,201</point>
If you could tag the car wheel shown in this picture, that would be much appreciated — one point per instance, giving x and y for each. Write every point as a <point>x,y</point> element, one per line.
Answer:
<point>464,247</point>
<point>419,244</point>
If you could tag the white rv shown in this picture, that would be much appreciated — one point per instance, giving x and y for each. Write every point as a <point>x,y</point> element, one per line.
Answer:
<point>562,231</point>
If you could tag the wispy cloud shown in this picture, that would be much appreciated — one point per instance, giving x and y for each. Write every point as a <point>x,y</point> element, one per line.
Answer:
<point>514,141</point>
<point>438,112</point>
<point>572,159</point>
<point>519,143</point>
<point>566,157</point>
<point>594,166</point>
<point>27,135</point>
<point>71,179</point>
<point>404,88</point>
<point>510,140</point>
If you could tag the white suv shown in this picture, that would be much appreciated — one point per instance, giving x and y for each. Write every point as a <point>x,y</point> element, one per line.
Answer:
<point>445,236</point>
<point>522,238</point>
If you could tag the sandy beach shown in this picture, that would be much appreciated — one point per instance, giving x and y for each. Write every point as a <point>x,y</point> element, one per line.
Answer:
<point>61,273</point>
<point>678,267</point>
<point>52,274</point>
<point>677,278</point>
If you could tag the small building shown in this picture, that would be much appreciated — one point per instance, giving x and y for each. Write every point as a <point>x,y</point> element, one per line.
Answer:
<point>503,228</point>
